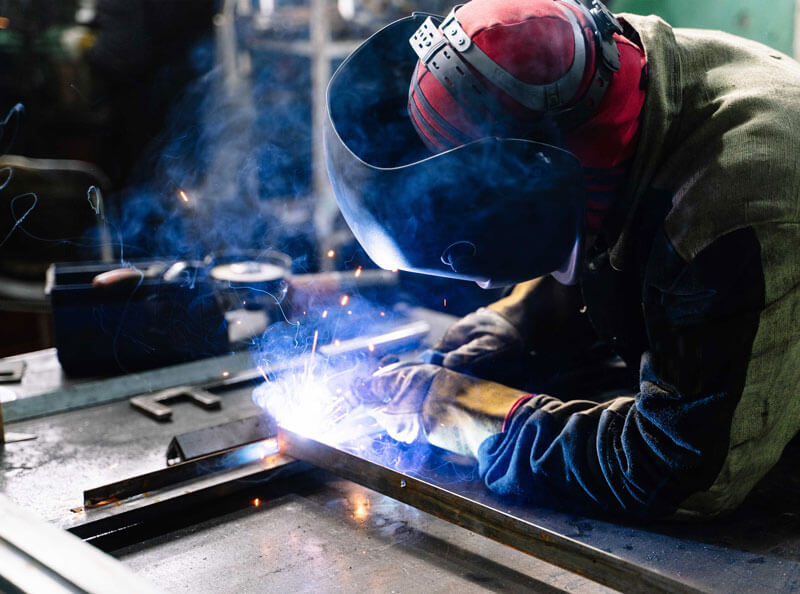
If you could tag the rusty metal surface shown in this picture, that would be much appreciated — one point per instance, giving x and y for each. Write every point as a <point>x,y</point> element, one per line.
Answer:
<point>82,449</point>
<point>757,548</point>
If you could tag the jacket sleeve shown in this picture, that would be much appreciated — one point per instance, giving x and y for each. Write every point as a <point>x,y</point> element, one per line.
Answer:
<point>643,455</point>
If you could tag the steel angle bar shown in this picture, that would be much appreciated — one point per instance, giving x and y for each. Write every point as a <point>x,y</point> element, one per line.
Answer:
<point>162,478</point>
<point>174,499</point>
<point>201,443</point>
<point>521,534</point>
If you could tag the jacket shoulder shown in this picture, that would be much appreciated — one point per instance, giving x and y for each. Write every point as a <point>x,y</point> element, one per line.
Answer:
<point>730,132</point>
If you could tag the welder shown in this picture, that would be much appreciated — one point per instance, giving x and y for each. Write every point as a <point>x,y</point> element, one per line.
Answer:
<point>639,185</point>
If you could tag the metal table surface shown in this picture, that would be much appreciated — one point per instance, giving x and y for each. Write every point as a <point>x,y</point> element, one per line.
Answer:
<point>319,535</point>
<point>316,532</point>
<point>334,536</point>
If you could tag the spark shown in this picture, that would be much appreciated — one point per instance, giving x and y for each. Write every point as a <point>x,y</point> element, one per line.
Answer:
<point>383,314</point>
<point>314,345</point>
<point>358,271</point>
<point>183,195</point>
<point>349,312</point>
<point>263,374</point>
<point>331,253</point>
<point>337,342</point>
<point>256,502</point>
<point>344,300</point>
<point>324,314</point>
<point>395,270</point>
<point>371,348</point>
<point>4,22</point>
<point>226,373</point>
<point>445,301</point>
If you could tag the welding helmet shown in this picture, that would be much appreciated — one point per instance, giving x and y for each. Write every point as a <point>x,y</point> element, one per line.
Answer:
<point>498,209</point>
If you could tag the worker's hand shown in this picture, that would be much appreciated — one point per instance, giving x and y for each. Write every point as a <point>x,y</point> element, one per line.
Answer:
<point>450,410</point>
<point>485,344</point>
<point>399,391</point>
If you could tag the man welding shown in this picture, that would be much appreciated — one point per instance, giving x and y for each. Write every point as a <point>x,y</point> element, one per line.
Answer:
<point>646,178</point>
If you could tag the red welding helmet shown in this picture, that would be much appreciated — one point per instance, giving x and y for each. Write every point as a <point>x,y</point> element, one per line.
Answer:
<point>528,68</point>
<point>498,209</point>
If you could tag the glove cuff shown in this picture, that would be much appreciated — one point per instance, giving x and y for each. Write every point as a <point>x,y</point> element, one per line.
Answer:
<point>516,406</point>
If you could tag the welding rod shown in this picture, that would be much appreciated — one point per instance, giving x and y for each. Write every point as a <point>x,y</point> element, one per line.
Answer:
<point>403,337</point>
<point>408,335</point>
<point>333,282</point>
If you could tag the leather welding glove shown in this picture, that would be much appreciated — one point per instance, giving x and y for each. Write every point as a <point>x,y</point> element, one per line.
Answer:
<point>523,337</point>
<point>450,410</point>
<point>487,345</point>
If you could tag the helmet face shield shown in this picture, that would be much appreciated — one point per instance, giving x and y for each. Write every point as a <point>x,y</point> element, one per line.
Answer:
<point>500,210</point>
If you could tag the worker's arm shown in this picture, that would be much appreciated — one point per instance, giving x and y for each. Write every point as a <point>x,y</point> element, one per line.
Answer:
<point>644,455</point>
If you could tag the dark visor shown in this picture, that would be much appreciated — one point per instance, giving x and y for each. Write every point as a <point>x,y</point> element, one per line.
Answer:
<point>504,210</point>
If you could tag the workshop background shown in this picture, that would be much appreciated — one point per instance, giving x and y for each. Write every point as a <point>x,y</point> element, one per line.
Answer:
<point>198,124</point>
<point>164,201</point>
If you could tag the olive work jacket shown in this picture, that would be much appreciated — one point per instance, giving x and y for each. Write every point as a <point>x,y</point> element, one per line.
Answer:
<point>699,284</point>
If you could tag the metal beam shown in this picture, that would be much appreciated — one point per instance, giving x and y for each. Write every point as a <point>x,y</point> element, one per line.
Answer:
<point>133,506</point>
<point>521,534</point>
<point>157,480</point>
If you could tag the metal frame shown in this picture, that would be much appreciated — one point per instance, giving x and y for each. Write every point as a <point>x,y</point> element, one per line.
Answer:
<point>483,519</point>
